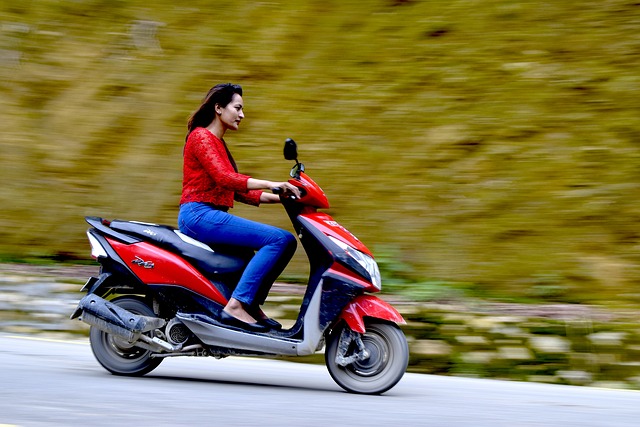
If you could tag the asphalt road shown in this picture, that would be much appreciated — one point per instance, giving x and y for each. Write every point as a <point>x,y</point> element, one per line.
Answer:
<point>54,383</point>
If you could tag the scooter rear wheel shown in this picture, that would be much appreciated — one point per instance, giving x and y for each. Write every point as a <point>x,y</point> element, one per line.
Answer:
<point>385,366</point>
<point>118,356</point>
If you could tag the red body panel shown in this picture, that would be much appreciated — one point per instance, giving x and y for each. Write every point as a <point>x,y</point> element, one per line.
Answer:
<point>368,306</point>
<point>330,227</point>
<point>168,269</point>
<point>315,196</point>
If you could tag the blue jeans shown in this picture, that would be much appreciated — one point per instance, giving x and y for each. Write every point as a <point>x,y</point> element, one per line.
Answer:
<point>274,246</point>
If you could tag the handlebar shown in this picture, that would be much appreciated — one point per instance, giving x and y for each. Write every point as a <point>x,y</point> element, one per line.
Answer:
<point>278,190</point>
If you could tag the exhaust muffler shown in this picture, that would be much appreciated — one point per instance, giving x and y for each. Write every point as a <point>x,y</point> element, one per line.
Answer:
<point>115,320</point>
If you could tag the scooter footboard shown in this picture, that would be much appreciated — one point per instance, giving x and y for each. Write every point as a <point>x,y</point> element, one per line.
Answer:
<point>369,306</point>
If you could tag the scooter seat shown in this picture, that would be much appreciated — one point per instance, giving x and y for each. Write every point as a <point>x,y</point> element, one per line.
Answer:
<point>210,261</point>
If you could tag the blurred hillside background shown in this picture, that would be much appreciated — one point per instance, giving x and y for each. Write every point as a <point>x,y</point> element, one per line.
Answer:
<point>486,147</point>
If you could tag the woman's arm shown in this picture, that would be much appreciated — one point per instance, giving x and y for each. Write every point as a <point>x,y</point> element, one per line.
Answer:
<point>261,184</point>
<point>269,198</point>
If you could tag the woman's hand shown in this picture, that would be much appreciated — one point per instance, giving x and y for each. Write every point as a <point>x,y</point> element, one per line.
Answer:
<point>286,188</point>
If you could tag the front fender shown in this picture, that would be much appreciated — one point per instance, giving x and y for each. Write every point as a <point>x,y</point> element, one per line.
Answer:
<point>368,306</point>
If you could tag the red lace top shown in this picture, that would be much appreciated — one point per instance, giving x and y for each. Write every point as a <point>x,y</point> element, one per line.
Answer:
<point>209,173</point>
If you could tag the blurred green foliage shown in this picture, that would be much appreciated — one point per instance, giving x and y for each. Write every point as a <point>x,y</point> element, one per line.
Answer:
<point>491,142</point>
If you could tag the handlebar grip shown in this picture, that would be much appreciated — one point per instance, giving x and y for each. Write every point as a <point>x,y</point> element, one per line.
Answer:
<point>279,190</point>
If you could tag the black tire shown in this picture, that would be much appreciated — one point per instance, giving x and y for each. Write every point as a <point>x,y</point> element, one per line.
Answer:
<point>117,355</point>
<point>387,363</point>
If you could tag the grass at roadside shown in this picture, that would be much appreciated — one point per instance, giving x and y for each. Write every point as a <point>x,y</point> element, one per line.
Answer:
<point>483,148</point>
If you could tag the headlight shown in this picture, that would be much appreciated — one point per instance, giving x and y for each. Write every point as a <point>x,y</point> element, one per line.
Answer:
<point>366,261</point>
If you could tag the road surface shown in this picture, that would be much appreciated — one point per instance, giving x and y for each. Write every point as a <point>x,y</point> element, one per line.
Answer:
<point>47,382</point>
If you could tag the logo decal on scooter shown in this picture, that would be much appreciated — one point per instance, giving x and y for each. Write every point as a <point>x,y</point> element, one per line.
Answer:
<point>142,263</point>
<point>149,232</point>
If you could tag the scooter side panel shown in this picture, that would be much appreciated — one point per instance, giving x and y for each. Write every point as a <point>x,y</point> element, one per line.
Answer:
<point>369,306</point>
<point>330,227</point>
<point>153,265</point>
<point>239,341</point>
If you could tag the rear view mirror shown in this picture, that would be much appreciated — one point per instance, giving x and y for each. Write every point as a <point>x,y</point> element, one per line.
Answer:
<point>296,170</point>
<point>291,150</point>
<point>291,153</point>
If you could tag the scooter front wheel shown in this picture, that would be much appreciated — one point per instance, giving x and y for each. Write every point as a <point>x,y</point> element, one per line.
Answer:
<point>118,356</point>
<point>375,364</point>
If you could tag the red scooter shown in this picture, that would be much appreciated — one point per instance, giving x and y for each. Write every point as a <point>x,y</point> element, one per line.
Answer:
<point>160,294</point>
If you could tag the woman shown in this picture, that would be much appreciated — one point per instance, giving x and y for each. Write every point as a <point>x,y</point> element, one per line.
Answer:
<point>211,183</point>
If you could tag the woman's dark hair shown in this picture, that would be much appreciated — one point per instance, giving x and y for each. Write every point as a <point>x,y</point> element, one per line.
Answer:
<point>220,94</point>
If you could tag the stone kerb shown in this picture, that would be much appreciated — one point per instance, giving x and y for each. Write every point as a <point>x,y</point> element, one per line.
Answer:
<point>580,350</point>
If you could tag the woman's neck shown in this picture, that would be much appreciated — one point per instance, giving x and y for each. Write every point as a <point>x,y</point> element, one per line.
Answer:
<point>217,129</point>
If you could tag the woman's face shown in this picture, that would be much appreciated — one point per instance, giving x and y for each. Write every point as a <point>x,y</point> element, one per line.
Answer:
<point>232,114</point>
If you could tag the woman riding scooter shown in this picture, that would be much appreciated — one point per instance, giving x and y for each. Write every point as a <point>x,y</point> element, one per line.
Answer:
<point>211,183</point>
<point>160,294</point>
